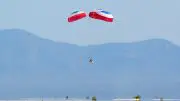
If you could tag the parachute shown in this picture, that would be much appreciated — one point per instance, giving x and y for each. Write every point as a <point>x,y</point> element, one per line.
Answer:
<point>76,15</point>
<point>100,14</point>
<point>97,14</point>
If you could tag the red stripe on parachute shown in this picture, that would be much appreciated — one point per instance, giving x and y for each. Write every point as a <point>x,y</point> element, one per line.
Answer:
<point>76,17</point>
<point>100,16</point>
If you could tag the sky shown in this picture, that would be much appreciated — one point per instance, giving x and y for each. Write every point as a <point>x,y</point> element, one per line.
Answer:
<point>134,20</point>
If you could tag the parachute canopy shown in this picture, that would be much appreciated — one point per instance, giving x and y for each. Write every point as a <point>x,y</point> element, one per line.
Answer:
<point>100,14</point>
<point>76,15</point>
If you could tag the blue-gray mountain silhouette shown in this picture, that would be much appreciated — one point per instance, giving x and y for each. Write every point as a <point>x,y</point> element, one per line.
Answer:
<point>31,66</point>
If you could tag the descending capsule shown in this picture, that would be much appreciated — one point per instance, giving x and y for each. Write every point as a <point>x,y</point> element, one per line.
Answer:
<point>76,15</point>
<point>100,14</point>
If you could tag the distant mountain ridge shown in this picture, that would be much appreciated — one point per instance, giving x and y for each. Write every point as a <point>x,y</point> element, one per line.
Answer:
<point>32,67</point>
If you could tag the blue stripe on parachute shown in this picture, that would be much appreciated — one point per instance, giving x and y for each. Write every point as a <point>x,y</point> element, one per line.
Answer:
<point>74,12</point>
<point>106,12</point>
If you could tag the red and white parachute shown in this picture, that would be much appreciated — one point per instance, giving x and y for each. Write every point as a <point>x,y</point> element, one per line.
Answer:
<point>97,14</point>
<point>76,15</point>
<point>100,14</point>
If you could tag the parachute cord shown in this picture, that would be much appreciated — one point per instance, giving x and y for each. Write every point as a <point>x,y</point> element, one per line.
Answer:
<point>88,46</point>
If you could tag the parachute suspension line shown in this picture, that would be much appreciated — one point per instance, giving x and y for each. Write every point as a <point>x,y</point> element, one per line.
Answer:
<point>89,49</point>
<point>72,19</point>
<point>101,15</point>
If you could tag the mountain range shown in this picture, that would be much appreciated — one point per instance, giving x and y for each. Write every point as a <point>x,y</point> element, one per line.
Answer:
<point>31,66</point>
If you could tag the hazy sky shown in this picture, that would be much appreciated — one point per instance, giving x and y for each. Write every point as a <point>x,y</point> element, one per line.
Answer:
<point>134,19</point>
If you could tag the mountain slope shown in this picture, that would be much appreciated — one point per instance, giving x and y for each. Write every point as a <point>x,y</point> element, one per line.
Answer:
<point>31,67</point>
